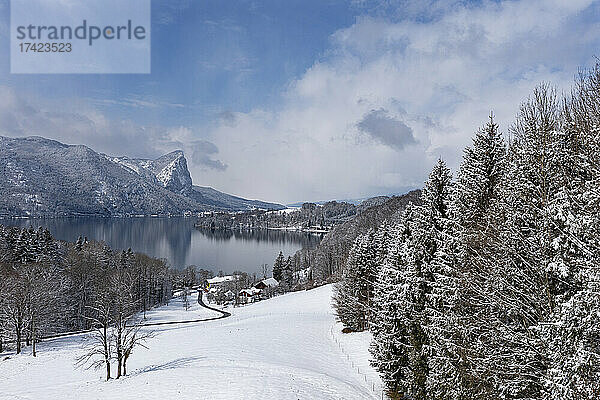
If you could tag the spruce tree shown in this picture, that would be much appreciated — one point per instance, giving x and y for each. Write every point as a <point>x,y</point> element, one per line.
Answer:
<point>287,274</point>
<point>367,268</point>
<point>278,267</point>
<point>390,345</point>
<point>354,294</point>
<point>464,318</point>
<point>417,271</point>
<point>345,299</point>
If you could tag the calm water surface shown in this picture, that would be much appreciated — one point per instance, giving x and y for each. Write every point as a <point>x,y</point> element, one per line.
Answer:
<point>177,240</point>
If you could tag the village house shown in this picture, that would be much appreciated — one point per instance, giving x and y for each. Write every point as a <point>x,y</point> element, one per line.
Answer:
<point>219,281</point>
<point>267,283</point>
<point>249,295</point>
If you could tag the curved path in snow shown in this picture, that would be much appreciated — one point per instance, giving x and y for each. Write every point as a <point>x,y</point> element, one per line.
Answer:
<point>224,314</point>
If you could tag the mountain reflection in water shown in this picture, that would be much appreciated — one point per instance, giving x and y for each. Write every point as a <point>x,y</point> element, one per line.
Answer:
<point>177,240</point>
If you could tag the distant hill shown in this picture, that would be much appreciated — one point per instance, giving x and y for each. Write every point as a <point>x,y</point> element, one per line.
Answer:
<point>309,217</point>
<point>42,177</point>
<point>323,202</point>
<point>356,202</point>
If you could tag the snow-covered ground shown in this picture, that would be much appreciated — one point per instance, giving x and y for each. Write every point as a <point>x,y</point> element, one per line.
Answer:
<point>175,311</point>
<point>288,347</point>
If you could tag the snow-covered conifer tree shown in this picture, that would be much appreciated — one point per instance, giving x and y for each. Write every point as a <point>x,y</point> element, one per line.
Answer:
<point>354,294</point>
<point>462,317</point>
<point>390,345</point>
<point>411,287</point>
<point>345,291</point>
<point>278,267</point>
<point>526,280</point>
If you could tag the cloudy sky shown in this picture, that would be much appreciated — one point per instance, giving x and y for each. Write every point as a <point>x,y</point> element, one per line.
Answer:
<point>311,100</point>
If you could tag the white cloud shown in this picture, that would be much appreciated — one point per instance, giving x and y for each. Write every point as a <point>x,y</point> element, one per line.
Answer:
<point>82,124</point>
<point>442,78</point>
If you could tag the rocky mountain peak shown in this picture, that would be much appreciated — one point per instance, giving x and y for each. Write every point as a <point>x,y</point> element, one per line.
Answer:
<point>174,174</point>
<point>169,170</point>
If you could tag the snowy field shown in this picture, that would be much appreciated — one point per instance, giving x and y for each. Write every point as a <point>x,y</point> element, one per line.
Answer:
<point>288,347</point>
<point>175,311</point>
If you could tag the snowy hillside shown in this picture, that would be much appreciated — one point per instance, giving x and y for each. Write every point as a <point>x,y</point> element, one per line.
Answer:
<point>283,348</point>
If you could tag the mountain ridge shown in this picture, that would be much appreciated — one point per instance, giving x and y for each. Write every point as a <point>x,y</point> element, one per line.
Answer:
<point>43,177</point>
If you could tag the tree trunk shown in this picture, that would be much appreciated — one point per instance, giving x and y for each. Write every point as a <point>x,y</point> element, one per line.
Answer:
<point>107,369</point>
<point>28,336</point>
<point>119,351</point>
<point>83,322</point>
<point>33,329</point>
<point>18,332</point>
<point>119,365</point>
<point>106,353</point>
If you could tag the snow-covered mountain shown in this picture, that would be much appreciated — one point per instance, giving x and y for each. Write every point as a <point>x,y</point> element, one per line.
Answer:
<point>170,170</point>
<point>42,177</point>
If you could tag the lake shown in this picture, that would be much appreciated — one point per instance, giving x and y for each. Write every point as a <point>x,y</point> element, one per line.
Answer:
<point>177,240</point>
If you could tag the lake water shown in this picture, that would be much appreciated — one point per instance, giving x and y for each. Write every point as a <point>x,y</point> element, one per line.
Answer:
<point>177,240</point>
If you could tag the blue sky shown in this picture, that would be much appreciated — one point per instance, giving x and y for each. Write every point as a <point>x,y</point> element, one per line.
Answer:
<point>207,57</point>
<point>309,100</point>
